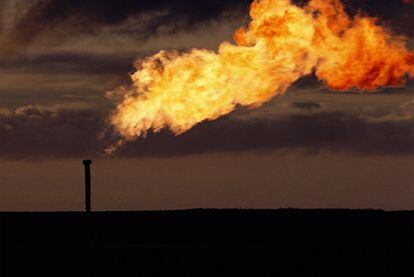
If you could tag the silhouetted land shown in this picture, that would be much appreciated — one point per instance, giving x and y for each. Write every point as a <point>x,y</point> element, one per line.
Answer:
<point>208,243</point>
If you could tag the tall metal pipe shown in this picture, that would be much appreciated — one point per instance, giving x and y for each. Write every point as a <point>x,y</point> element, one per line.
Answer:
<point>87,165</point>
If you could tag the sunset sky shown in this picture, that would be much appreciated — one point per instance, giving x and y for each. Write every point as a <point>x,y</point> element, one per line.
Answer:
<point>310,148</point>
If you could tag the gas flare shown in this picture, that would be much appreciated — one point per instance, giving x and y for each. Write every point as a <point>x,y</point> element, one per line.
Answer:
<point>282,43</point>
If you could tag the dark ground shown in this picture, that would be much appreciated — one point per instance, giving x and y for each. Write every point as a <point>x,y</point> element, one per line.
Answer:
<point>208,243</point>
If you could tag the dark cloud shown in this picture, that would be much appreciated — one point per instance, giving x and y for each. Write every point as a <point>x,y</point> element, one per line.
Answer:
<point>71,62</point>
<point>68,18</point>
<point>313,133</point>
<point>57,19</point>
<point>306,105</point>
<point>40,132</point>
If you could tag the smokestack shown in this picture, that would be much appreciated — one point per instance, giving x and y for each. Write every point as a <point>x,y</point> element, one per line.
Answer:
<point>87,165</point>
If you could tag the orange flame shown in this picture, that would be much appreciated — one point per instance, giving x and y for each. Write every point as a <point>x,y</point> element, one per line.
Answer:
<point>282,43</point>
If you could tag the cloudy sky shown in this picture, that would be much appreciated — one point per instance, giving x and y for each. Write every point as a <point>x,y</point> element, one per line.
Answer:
<point>312,147</point>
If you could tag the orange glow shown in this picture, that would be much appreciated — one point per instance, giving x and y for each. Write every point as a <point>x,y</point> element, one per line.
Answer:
<point>282,43</point>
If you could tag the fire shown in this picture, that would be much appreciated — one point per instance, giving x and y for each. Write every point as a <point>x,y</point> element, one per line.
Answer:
<point>282,43</point>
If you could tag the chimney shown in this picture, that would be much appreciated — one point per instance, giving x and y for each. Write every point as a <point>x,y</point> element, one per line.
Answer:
<point>87,165</point>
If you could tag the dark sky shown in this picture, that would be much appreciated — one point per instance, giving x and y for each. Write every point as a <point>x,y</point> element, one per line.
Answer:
<point>310,148</point>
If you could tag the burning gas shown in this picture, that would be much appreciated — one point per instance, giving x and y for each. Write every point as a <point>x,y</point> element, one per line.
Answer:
<point>282,43</point>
